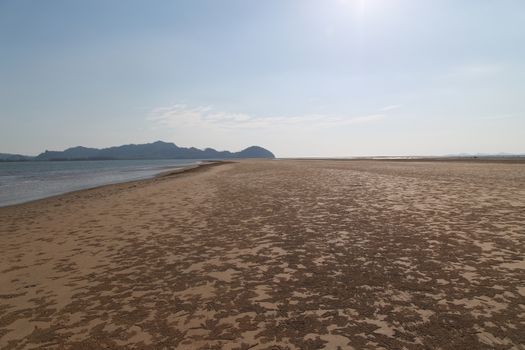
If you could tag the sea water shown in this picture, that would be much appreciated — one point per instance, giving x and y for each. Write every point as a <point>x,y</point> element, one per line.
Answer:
<point>25,181</point>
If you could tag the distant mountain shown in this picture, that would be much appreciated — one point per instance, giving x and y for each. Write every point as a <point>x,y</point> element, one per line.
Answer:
<point>156,150</point>
<point>254,152</point>
<point>7,157</point>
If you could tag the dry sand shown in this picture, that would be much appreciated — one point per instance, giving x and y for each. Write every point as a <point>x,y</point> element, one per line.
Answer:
<point>273,255</point>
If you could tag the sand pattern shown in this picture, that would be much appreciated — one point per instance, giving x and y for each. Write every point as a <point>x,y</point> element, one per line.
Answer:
<point>273,255</point>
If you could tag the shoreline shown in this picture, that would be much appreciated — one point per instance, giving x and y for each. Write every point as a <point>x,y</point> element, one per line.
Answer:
<point>162,174</point>
<point>210,163</point>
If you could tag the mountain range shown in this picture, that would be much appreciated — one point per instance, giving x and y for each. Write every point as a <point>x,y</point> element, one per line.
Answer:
<point>155,150</point>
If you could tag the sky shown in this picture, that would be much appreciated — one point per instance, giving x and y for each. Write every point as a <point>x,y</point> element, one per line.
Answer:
<point>303,78</point>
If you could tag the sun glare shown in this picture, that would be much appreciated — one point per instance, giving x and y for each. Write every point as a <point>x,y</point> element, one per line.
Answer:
<point>368,12</point>
<point>354,6</point>
<point>360,8</point>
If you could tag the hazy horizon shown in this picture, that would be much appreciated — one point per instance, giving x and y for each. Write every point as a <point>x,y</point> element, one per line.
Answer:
<point>307,78</point>
<point>277,156</point>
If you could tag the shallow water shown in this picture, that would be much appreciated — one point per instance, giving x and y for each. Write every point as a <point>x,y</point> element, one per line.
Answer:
<point>25,181</point>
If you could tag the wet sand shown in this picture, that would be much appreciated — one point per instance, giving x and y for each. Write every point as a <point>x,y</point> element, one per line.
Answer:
<point>273,255</point>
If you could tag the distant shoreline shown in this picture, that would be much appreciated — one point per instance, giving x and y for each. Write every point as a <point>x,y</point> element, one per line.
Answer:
<point>163,173</point>
<point>210,163</point>
<point>517,157</point>
<point>479,159</point>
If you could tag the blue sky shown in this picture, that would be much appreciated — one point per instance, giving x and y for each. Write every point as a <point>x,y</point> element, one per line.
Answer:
<point>300,77</point>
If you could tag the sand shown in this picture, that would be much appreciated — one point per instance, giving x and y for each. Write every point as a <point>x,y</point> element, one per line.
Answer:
<point>273,255</point>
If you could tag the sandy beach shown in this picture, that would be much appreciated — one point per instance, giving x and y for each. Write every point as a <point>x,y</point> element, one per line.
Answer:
<point>277,254</point>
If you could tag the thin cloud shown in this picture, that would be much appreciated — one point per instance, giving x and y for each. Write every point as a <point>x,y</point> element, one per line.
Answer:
<point>180,115</point>
<point>483,69</point>
<point>477,71</point>
<point>501,117</point>
<point>390,108</point>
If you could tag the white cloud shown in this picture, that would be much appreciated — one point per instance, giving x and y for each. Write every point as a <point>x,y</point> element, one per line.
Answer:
<point>181,115</point>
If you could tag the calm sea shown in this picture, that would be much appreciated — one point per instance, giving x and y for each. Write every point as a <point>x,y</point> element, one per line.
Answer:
<point>25,181</point>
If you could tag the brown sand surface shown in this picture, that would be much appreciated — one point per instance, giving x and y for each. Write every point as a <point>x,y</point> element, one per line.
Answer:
<point>273,255</point>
